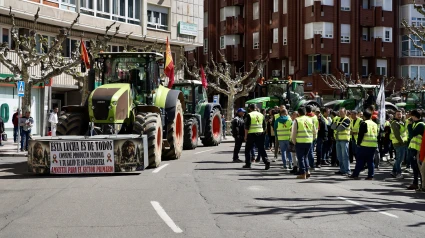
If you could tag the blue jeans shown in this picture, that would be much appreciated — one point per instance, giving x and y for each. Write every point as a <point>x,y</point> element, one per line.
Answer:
<point>400,152</point>
<point>25,136</point>
<point>365,154</point>
<point>303,150</point>
<point>267,142</point>
<point>412,154</point>
<point>342,156</point>
<point>311,156</point>
<point>284,148</point>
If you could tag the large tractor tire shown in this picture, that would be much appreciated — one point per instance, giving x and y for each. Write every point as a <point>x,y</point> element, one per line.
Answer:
<point>191,134</point>
<point>213,129</point>
<point>150,124</point>
<point>175,135</point>
<point>72,123</point>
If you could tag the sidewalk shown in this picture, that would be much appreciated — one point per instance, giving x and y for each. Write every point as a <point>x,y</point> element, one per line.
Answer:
<point>9,149</point>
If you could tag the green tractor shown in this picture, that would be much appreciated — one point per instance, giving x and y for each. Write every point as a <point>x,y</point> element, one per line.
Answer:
<point>282,92</point>
<point>355,96</point>
<point>201,118</point>
<point>130,100</point>
<point>412,99</point>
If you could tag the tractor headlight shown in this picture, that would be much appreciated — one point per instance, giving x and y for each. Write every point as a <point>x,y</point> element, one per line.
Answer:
<point>93,119</point>
<point>92,107</point>
<point>110,107</point>
<point>114,103</point>
<point>111,119</point>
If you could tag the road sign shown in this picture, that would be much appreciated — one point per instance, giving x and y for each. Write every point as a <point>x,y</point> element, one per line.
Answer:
<point>21,88</point>
<point>216,98</point>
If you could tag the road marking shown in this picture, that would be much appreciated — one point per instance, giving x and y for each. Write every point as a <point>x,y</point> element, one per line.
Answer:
<point>202,152</point>
<point>165,217</point>
<point>367,207</point>
<point>159,168</point>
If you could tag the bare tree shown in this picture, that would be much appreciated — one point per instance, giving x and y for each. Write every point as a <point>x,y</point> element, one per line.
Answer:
<point>51,60</point>
<point>236,86</point>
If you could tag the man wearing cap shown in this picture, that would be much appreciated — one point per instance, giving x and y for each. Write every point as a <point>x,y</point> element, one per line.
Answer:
<point>238,132</point>
<point>309,110</point>
<point>255,126</point>
<point>15,121</point>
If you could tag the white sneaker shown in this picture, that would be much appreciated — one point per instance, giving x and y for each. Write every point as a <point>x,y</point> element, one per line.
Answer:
<point>399,176</point>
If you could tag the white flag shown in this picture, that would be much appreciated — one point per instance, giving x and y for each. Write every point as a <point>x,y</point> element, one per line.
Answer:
<point>380,102</point>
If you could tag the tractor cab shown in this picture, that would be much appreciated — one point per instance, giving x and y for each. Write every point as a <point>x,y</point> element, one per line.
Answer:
<point>194,94</point>
<point>412,99</point>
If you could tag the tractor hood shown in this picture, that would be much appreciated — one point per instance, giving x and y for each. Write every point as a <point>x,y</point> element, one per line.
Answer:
<point>332,104</point>
<point>109,103</point>
<point>257,100</point>
<point>401,104</point>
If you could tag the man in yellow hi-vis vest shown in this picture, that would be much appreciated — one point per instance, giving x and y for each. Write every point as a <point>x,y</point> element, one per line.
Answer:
<point>310,113</point>
<point>303,134</point>
<point>283,126</point>
<point>342,138</point>
<point>417,127</point>
<point>398,137</point>
<point>255,126</point>
<point>367,142</point>
<point>354,126</point>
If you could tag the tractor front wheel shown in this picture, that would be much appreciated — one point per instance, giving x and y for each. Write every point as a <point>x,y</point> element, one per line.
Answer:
<point>72,123</point>
<point>213,129</point>
<point>150,125</point>
<point>191,134</point>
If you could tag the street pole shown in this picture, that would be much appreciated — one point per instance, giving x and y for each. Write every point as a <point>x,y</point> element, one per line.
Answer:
<point>19,127</point>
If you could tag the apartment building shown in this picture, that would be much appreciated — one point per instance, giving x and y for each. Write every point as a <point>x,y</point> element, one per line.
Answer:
<point>304,38</point>
<point>412,60</point>
<point>179,20</point>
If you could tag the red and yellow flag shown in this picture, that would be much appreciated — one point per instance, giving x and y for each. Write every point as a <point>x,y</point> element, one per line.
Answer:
<point>203,78</point>
<point>169,65</point>
<point>85,55</point>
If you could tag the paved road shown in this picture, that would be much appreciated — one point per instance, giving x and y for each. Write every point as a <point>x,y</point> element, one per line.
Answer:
<point>203,195</point>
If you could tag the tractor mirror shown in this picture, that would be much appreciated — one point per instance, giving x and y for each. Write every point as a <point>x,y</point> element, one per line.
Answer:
<point>200,91</point>
<point>83,67</point>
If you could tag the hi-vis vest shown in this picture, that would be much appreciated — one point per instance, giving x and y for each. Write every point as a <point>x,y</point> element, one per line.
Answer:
<point>355,128</point>
<point>304,130</point>
<point>403,133</point>
<point>315,122</point>
<point>370,139</point>
<point>345,134</point>
<point>284,130</point>
<point>416,141</point>
<point>256,122</point>
<point>335,120</point>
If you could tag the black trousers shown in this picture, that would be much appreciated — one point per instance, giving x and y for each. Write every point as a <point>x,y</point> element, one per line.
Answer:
<point>237,149</point>
<point>258,140</point>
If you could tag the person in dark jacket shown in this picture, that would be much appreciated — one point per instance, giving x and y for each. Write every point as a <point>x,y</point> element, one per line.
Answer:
<point>15,121</point>
<point>322,137</point>
<point>238,132</point>
<point>416,129</point>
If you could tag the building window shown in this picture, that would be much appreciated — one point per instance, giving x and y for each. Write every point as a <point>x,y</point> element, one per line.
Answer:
<point>103,9</point>
<point>365,67</point>
<point>381,67</point>
<point>5,35</point>
<point>275,5</point>
<point>408,48</point>
<point>345,65</point>
<point>283,68</point>
<point>417,21</point>
<point>122,10</point>
<point>387,5</point>
<point>345,5</point>
<point>275,35</point>
<point>413,71</point>
<point>325,29</point>
<point>365,34</point>
<point>256,40</point>
<point>205,46</point>
<point>43,43</point>
<point>87,7</point>
<point>157,17</point>
<point>405,71</point>
<point>68,5</point>
<point>285,35</point>
<point>387,37</point>
<point>319,64</point>
<point>285,6</point>
<point>117,48</point>
<point>255,11</point>
<point>345,33</point>
<point>222,44</point>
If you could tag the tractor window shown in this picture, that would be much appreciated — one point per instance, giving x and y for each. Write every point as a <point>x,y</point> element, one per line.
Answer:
<point>413,97</point>
<point>355,93</point>
<point>276,90</point>
<point>117,70</point>
<point>187,93</point>
<point>200,94</point>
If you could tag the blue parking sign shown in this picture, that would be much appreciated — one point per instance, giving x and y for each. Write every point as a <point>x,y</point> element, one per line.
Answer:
<point>21,88</point>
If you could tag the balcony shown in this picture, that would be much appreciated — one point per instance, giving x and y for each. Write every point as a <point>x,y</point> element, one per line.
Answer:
<point>319,13</point>
<point>367,17</point>
<point>383,49</point>
<point>232,25</point>
<point>367,48</point>
<point>319,45</point>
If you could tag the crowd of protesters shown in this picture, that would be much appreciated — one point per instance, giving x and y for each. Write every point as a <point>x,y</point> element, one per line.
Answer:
<point>338,137</point>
